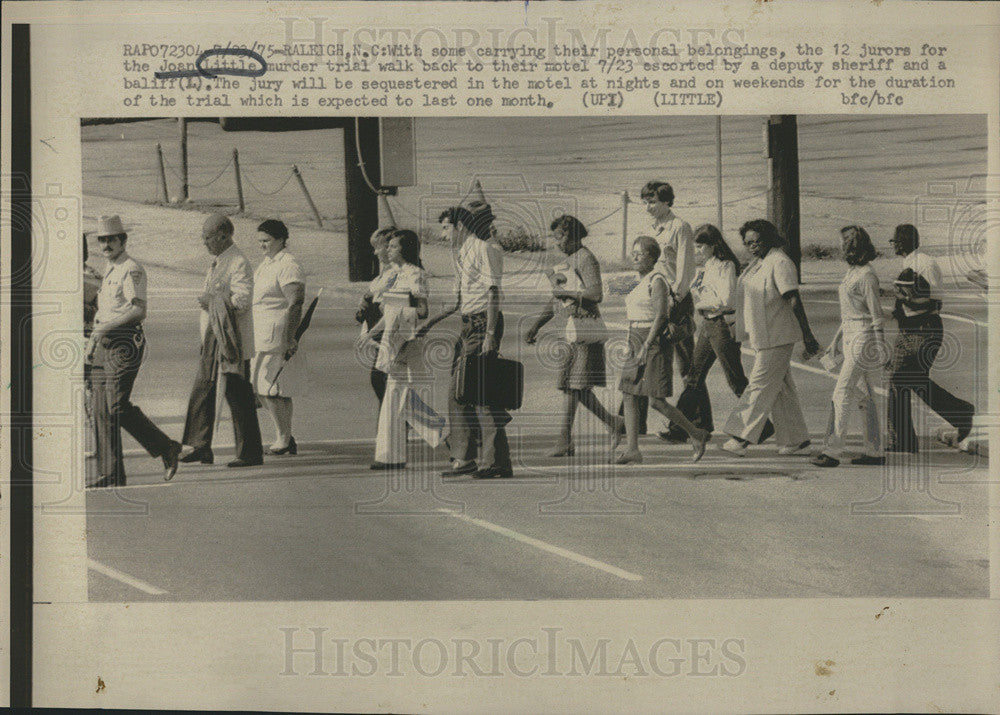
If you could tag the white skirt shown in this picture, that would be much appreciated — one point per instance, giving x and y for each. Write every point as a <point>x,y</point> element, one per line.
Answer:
<point>291,381</point>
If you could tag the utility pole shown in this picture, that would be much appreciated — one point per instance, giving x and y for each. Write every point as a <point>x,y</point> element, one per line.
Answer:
<point>783,170</point>
<point>362,201</point>
<point>184,159</point>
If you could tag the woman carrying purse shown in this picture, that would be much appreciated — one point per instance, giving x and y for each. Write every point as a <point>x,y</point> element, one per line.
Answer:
<point>576,291</point>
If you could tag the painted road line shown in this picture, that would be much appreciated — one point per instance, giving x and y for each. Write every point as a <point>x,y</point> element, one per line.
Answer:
<point>124,578</point>
<point>558,551</point>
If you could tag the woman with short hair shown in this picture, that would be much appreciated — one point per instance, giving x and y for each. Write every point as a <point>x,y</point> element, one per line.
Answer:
<point>576,291</point>
<point>773,319</point>
<point>648,372</point>
<point>279,288</point>
<point>861,342</point>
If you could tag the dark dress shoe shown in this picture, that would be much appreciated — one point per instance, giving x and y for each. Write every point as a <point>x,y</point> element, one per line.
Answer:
<point>766,433</point>
<point>245,462</point>
<point>170,461</point>
<point>203,455</point>
<point>673,437</point>
<point>869,460</point>
<point>493,473</point>
<point>824,460</point>
<point>381,466</point>
<point>290,448</point>
<point>459,470</point>
<point>900,450</point>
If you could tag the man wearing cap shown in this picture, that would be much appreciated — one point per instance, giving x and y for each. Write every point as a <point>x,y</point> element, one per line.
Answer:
<point>227,347</point>
<point>479,267</point>
<point>115,351</point>
<point>921,332</point>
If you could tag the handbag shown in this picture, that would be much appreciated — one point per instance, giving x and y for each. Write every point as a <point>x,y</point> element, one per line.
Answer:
<point>489,381</point>
<point>680,319</point>
<point>633,373</point>
<point>586,329</point>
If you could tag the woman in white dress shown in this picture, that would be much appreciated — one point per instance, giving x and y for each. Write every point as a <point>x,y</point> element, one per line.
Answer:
<point>404,306</point>
<point>278,294</point>
<point>861,342</point>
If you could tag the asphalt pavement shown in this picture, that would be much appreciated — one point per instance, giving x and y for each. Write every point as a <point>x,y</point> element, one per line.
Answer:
<point>321,526</point>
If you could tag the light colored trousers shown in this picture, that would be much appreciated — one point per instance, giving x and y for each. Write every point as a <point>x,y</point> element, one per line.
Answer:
<point>770,392</point>
<point>855,390</point>
<point>403,405</point>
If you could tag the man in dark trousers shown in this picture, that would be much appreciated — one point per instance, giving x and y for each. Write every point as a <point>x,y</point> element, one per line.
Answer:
<point>115,352</point>
<point>226,346</point>
<point>917,311</point>
<point>479,263</point>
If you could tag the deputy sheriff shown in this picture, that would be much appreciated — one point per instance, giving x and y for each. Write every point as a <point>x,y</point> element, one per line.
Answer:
<point>115,350</point>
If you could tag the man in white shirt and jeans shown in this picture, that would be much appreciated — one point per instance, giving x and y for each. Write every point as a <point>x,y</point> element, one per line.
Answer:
<point>920,336</point>
<point>479,268</point>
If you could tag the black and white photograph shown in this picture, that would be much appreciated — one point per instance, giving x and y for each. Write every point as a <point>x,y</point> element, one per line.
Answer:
<point>476,357</point>
<point>536,359</point>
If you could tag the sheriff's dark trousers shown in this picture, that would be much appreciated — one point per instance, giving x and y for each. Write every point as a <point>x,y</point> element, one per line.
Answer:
<point>200,420</point>
<point>916,348</point>
<point>115,368</point>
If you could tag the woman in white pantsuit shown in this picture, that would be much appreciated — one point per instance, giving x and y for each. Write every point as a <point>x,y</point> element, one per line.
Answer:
<point>774,320</point>
<point>862,343</point>
<point>404,305</point>
<point>279,287</point>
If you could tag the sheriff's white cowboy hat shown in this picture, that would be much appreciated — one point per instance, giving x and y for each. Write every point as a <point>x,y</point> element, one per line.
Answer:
<point>110,226</point>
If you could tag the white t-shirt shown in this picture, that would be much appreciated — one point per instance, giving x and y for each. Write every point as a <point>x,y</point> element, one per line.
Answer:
<point>639,306</point>
<point>480,267</point>
<point>767,317</point>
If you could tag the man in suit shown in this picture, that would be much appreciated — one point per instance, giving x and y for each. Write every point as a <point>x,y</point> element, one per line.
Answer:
<point>115,351</point>
<point>227,347</point>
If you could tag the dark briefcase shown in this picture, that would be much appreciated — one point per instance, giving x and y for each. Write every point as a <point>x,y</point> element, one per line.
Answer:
<point>490,380</point>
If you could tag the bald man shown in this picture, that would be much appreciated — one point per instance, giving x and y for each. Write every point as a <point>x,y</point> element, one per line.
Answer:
<point>226,347</point>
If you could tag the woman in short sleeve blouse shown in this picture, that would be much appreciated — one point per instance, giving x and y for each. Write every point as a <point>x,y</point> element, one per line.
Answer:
<point>278,294</point>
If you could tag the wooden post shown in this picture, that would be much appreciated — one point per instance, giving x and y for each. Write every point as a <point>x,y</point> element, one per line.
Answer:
<point>184,159</point>
<point>783,204</point>
<point>164,195</point>
<point>239,180</point>
<point>625,201</point>
<point>362,202</point>
<point>718,169</point>
<point>302,185</point>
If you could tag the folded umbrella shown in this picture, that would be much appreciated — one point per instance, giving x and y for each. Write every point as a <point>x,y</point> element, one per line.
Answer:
<point>299,332</point>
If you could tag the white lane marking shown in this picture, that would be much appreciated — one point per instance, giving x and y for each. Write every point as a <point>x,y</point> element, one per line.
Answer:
<point>124,578</point>
<point>558,551</point>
